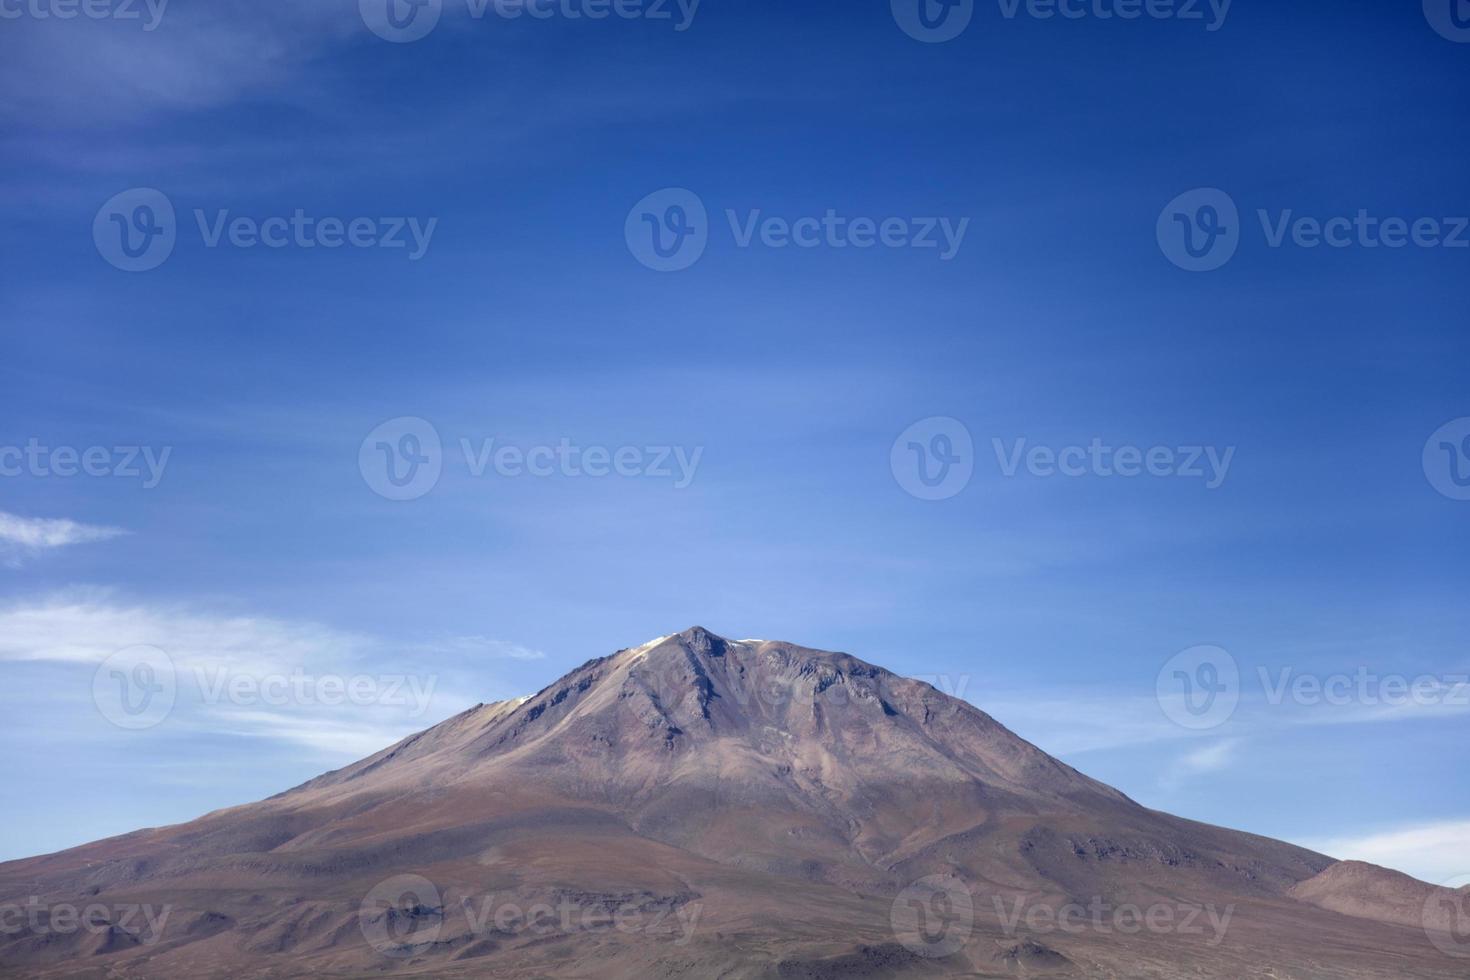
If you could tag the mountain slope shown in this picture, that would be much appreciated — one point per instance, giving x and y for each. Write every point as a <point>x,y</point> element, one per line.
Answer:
<point>776,810</point>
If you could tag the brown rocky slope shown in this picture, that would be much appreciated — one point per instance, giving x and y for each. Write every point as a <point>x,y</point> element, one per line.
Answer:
<point>703,807</point>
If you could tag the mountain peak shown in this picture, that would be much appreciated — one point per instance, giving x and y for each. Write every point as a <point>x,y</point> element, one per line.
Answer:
<point>742,774</point>
<point>695,638</point>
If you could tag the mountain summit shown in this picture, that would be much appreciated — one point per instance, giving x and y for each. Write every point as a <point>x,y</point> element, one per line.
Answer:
<point>701,806</point>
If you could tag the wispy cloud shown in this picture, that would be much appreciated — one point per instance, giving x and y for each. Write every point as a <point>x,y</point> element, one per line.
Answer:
<point>89,625</point>
<point>25,537</point>
<point>180,57</point>
<point>329,736</point>
<point>483,648</point>
<point>1071,723</point>
<point>1210,758</point>
<point>339,692</point>
<point>1434,852</point>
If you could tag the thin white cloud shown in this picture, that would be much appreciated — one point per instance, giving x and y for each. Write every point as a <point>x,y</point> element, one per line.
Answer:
<point>1211,758</point>
<point>1438,698</point>
<point>340,693</point>
<point>86,71</point>
<point>1216,755</point>
<point>1072,724</point>
<point>1434,852</point>
<point>24,537</point>
<point>484,647</point>
<point>89,625</point>
<point>330,737</point>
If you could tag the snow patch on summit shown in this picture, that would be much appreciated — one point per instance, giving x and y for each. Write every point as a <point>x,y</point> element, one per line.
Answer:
<point>639,652</point>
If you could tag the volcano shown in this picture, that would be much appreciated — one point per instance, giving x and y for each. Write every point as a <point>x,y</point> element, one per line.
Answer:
<point>704,807</point>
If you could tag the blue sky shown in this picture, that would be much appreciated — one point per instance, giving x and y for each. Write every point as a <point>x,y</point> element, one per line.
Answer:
<point>1331,544</point>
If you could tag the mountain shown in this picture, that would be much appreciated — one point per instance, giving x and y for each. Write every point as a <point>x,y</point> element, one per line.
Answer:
<point>704,807</point>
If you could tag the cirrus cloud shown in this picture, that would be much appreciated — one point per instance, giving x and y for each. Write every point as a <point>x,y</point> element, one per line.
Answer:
<point>26,537</point>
